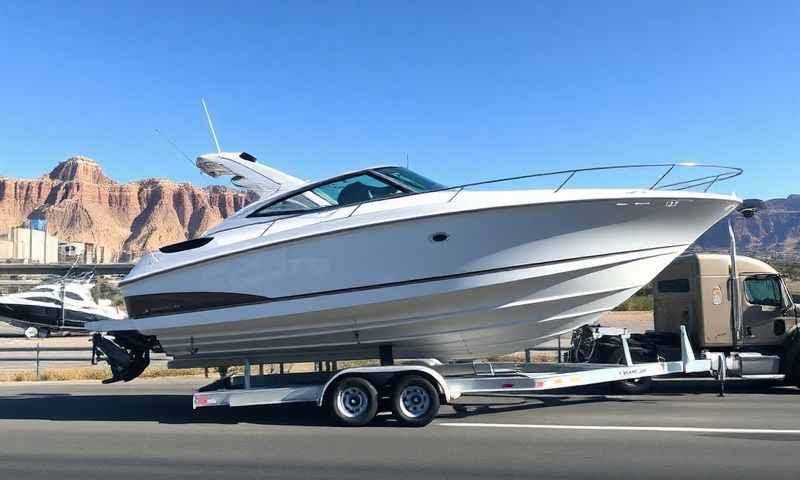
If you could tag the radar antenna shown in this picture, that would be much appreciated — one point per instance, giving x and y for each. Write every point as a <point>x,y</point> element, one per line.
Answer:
<point>174,145</point>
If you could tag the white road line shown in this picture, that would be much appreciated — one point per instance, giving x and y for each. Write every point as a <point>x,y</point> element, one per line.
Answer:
<point>765,431</point>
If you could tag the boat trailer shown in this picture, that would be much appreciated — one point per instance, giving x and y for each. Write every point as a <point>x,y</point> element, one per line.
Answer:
<point>414,391</point>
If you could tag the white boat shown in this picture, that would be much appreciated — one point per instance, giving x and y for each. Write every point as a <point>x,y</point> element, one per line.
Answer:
<point>384,260</point>
<point>63,306</point>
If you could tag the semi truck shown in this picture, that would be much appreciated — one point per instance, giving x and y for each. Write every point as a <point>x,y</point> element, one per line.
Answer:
<point>736,310</point>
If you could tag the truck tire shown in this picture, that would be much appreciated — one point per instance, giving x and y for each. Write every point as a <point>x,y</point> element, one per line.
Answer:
<point>791,360</point>
<point>415,401</point>
<point>637,386</point>
<point>354,402</point>
<point>794,376</point>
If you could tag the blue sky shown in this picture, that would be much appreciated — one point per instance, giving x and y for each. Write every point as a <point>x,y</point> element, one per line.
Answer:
<point>468,90</point>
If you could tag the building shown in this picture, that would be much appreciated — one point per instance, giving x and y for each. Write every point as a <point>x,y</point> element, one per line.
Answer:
<point>68,252</point>
<point>27,245</point>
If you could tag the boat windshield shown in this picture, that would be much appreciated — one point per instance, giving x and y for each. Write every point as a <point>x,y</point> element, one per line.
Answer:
<point>414,181</point>
<point>357,188</point>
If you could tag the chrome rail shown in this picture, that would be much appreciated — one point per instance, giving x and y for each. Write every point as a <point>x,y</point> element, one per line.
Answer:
<point>720,173</point>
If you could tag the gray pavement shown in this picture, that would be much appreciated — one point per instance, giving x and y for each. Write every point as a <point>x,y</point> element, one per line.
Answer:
<point>148,429</point>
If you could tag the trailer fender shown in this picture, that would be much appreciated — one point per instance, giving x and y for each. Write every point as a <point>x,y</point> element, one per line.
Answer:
<point>393,370</point>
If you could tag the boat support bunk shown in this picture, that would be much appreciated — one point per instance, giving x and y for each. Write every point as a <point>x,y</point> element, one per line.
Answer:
<point>413,392</point>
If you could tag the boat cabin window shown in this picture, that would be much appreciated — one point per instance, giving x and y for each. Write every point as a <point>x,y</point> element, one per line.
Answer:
<point>295,204</point>
<point>73,296</point>
<point>763,291</point>
<point>45,300</point>
<point>343,191</point>
<point>412,180</point>
<point>42,289</point>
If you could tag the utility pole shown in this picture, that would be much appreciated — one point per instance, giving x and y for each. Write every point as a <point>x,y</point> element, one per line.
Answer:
<point>30,241</point>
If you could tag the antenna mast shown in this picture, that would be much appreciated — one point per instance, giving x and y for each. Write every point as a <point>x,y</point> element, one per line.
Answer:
<point>210,125</point>
<point>174,145</point>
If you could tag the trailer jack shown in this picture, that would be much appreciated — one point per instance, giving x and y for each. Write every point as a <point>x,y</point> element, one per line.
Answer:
<point>127,353</point>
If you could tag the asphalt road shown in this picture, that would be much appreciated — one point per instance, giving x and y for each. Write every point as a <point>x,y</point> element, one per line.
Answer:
<point>147,429</point>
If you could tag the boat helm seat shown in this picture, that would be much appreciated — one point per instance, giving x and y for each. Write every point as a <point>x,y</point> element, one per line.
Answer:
<point>354,193</point>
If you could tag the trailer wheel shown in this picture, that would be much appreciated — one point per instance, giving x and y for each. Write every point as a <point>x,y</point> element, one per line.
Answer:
<point>634,386</point>
<point>415,401</point>
<point>354,402</point>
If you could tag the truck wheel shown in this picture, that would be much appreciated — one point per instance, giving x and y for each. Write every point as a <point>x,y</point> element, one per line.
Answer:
<point>415,402</point>
<point>794,377</point>
<point>634,386</point>
<point>354,402</point>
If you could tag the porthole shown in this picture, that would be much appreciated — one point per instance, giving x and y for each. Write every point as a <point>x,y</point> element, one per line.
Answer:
<point>439,237</point>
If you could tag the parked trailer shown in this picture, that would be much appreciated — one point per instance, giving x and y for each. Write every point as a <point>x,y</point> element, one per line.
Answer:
<point>414,392</point>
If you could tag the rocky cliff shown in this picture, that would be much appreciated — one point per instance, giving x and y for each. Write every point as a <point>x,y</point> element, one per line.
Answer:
<point>773,233</point>
<point>81,204</point>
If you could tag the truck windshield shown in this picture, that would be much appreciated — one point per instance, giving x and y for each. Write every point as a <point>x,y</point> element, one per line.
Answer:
<point>763,291</point>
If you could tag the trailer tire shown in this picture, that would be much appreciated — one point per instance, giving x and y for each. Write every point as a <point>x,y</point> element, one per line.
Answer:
<point>637,386</point>
<point>415,401</point>
<point>354,402</point>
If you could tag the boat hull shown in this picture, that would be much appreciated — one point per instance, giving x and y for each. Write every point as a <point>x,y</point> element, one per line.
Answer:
<point>466,318</point>
<point>503,279</point>
<point>25,315</point>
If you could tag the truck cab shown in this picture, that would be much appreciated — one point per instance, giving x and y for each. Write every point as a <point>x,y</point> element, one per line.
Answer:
<point>695,290</point>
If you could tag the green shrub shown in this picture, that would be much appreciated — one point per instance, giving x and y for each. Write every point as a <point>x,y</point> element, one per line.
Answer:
<point>637,303</point>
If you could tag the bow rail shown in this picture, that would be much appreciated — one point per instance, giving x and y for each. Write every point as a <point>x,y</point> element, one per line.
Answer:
<point>720,173</point>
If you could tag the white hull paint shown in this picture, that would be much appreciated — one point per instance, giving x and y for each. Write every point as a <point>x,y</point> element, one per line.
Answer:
<point>490,314</point>
<point>510,275</point>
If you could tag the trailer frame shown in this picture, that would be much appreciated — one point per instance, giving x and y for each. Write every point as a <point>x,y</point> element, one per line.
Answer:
<point>451,381</point>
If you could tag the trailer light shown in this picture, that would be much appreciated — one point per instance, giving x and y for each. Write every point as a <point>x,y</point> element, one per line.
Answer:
<point>508,385</point>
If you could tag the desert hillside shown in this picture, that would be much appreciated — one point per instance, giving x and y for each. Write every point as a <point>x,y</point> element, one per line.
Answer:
<point>81,204</point>
<point>773,233</point>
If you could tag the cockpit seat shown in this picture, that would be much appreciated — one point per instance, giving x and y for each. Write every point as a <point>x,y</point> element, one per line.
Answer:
<point>354,193</point>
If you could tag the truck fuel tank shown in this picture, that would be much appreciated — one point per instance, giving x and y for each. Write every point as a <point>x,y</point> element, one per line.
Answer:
<point>747,364</point>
